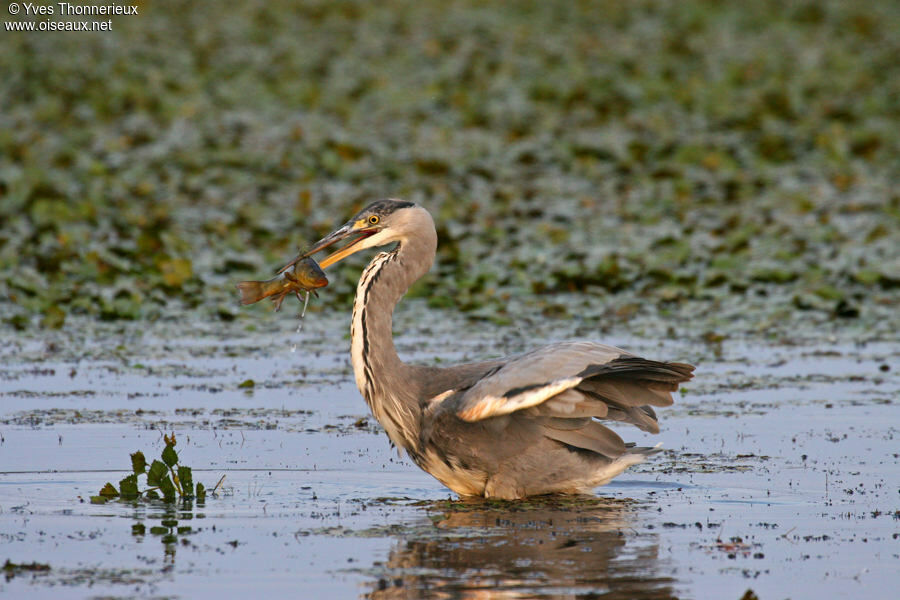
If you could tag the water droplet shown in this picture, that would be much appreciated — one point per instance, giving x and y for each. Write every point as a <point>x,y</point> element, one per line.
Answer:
<point>303,312</point>
<point>305,304</point>
<point>300,318</point>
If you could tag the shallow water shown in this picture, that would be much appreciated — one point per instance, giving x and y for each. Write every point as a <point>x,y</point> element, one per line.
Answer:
<point>780,476</point>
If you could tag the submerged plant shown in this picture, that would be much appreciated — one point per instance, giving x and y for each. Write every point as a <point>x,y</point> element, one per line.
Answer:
<point>165,478</point>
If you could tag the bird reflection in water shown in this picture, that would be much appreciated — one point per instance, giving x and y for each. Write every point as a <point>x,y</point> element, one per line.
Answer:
<point>559,547</point>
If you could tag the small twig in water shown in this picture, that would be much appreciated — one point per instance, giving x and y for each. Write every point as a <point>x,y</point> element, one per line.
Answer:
<point>785,534</point>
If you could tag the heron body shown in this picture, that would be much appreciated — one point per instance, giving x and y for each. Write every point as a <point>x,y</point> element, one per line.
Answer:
<point>506,428</point>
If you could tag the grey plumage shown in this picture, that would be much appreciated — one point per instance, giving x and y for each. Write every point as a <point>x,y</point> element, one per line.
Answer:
<point>507,428</point>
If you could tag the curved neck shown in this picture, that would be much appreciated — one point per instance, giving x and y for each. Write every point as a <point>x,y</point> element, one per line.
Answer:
<point>382,378</point>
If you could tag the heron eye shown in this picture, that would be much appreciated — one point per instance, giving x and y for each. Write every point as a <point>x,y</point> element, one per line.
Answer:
<point>373,219</point>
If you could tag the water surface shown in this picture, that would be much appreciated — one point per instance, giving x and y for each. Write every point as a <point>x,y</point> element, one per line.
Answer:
<point>779,475</point>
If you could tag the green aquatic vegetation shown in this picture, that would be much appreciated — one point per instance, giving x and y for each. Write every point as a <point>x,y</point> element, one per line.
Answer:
<point>11,569</point>
<point>555,502</point>
<point>648,152</point>
<point>165,478</point>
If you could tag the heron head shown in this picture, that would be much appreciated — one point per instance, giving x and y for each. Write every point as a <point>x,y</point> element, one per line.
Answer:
<point>379,223</point>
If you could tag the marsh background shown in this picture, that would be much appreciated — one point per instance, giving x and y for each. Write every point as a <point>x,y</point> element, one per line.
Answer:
<point>638,154</point>
<point>706,181</point>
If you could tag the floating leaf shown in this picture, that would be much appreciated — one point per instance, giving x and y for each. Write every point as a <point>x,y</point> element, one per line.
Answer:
<point>99,499</point>
<point>138,463</point>
<point>867,276</point>
<point>169,456</point>
<point>828,292</point>
<point>11,567</point>
<point>176,272</point>
<point>247,384</point>
<point>773,275</point>
<point>109,491</point>
<point>54,317</point>
<point>157,471</point>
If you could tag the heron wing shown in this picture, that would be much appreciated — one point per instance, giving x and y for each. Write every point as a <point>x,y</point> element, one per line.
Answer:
<point>564,387</point>
<point>530,379</point>
<point>573,379</point>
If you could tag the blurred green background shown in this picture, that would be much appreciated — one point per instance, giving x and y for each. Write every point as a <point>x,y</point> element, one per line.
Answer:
<point>597,158</point>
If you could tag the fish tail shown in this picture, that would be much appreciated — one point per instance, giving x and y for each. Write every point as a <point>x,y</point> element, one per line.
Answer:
<point>252,291</point>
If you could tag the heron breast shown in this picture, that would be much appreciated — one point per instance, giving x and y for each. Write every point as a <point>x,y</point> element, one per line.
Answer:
<point>450,471</point>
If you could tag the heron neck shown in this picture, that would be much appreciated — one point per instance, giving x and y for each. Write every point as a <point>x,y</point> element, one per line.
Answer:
<point>383,379</point>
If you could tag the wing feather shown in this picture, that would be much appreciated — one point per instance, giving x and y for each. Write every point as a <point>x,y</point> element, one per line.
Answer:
<point>642,417</point>
<point>627,393</point>
<point>563,423</point>
<point>571,404</point>
<point>513,400</point>
<point>593,436</point>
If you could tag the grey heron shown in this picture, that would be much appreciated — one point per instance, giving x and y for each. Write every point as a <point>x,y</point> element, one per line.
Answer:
<point>507,428</point>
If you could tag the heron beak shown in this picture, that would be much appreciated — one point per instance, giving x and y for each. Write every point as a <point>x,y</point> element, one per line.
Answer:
<point>332,238</point>
<point>347,250</point>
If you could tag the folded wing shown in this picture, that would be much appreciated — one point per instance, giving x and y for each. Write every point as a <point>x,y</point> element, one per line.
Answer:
<point>564,388</point>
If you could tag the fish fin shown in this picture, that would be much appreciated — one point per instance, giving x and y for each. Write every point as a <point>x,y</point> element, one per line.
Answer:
<point>278,299</point>
<point>251,291</point>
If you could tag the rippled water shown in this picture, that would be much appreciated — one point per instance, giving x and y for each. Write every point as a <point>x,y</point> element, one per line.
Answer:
<point>780,476</point>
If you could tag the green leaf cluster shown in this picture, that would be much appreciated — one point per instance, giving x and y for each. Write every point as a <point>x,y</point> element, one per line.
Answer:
<point>673,151</point>
<point>165,479</point>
